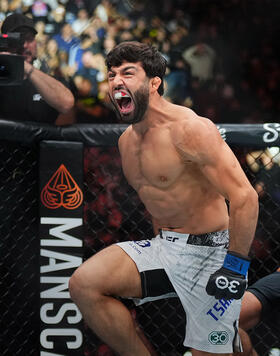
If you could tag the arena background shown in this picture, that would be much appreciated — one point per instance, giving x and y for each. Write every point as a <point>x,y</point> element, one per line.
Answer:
<point>40,246</point>
<point>40,243</point>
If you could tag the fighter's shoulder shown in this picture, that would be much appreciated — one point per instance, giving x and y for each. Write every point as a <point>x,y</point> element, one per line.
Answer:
<point>188,125</point>
<point>124,136</point>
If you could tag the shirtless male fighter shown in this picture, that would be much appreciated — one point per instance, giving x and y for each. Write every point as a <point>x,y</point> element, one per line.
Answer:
<point>184,173</point>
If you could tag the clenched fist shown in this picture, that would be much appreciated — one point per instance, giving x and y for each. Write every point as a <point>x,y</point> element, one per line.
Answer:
<point>230,281</point>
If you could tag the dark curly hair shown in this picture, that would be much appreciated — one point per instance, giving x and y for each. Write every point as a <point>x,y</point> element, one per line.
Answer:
<point>153,62</point>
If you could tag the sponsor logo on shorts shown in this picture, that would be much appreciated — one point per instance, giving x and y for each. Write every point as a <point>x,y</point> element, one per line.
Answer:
<point>218,337</point>
<point>143,243</point>
<point>171,238</point>
<point>219,308</point>
<point>133,245</point>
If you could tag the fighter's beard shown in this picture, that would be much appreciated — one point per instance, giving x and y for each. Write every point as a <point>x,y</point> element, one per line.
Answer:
<point>141,101</point>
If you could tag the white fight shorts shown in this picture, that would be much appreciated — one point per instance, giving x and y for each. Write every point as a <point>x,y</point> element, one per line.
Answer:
<point>179,265</point>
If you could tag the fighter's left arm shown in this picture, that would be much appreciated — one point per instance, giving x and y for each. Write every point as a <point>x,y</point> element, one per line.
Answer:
<point>53,92</point>
<point>206,148</point>
<point>222,168</point>
<point>219,165</point>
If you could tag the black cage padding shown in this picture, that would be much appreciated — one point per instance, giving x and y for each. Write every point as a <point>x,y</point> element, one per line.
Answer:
<point>248,135</point>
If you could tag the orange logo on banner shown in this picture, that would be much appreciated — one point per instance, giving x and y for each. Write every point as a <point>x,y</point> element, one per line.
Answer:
<point>62,190</point>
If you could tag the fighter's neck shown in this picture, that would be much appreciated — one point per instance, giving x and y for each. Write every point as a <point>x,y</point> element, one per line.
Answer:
<point>155,115</point>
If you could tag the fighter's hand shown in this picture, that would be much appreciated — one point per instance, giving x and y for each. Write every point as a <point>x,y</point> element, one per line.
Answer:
<point>230,281</point>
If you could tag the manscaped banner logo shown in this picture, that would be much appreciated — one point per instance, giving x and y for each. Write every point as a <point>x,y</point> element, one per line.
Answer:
<point>61,191</point>
<point>61,247</point>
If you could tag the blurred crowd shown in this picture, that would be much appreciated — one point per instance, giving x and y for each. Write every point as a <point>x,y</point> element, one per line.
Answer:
<point>222,55</point>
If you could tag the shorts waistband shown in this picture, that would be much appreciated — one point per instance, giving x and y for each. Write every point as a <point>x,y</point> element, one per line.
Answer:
<point>212,239</point>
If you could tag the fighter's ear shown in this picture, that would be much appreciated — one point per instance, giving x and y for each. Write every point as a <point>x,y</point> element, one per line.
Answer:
<point>155,82</point>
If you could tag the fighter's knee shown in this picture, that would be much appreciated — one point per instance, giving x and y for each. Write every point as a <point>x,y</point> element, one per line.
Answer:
<point>83,285</point>
<point>80,287</point>
<point>75,285</point>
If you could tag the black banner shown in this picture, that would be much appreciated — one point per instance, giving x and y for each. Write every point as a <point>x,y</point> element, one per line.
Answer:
<point>61,245</point>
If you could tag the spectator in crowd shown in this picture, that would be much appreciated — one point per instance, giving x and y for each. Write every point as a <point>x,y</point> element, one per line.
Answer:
<point>91,91</point>
<point>51,56</point>
<point>140,29</point>
<point>103,10</point>
<point>81,22</point>
<point>267,169</point>
<point>92,70</point>
<point>40,10</point>
<point>108,44</point>
<point>89,42</point>
<point>178,83</point>
<point>252,72</point>
<point>4,10</point>
<point>258,161</point>
<point>201,59</point>
<point>72,7</point>
<point>56,20</point>
<point>66,39</point>
<point>40,97</point>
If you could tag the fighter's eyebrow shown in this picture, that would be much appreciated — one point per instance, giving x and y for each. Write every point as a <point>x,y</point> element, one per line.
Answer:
<point>128,67</point>
<point>124,69</point>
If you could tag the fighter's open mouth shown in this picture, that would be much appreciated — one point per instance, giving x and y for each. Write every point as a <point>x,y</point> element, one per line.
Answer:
<point>124,101</point>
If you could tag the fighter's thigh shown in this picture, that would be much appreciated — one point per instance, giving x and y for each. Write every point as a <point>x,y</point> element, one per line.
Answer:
<point>111,272</point>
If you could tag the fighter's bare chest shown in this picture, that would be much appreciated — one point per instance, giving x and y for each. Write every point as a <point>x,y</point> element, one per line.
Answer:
<point>155,163</point>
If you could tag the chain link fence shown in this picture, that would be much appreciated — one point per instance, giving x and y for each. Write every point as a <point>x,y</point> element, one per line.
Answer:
<point>112,212</point>
<point>19,250</point>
